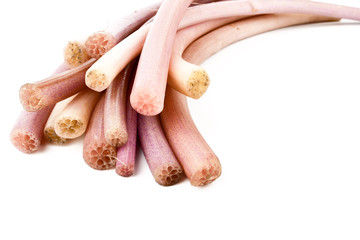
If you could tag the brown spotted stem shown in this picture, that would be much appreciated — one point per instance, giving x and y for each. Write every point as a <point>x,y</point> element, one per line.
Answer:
<point>73,120</point>
<point>49,130</point>
<point>190,79</point>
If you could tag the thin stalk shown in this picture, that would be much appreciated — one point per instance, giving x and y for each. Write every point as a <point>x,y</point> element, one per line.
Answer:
<point>97,153</point>
<point>126,154</point>
<point>211,43</point>
<point>161,160</point>
<point>73,120</point>
<point>115,109</point>
<point>49,130</point>
<point>35,96</point>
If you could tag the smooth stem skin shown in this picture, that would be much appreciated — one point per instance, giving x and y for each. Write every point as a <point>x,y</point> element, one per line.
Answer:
<point>199,162</point>
<point>73,120</point>
<point>189,79</point>
<point>35,96</point>
<point>161,160</point>
<point>27,133</point>
<point>115,109</point>
<point>100,42</point>
<point>256,7</point>
<point>126,154</point>
<point>148,92</point>
<point>216,40</point>
<point>97,153</point>
<point>100,75</point>
<point>75,53</point>
<point>49,130</point>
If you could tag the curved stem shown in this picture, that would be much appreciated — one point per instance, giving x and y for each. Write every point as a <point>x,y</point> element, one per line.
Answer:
<point>199,162</point>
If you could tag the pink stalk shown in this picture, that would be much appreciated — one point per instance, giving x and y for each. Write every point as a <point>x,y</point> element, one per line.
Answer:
<point>115,109</point>
<point>35,96</point>
<point>218,39</point>
<point>100,42</point>
<point>199,162</point>
<point>147,95</point>
<point>100,75</point>
<point>150,82</point>
<point>75,53</point>
<point>256,7</point>
<point>126,154</point>
<point>161,160</point>
<point>190,79</point>
<point>97,153</point>
<point>27,133</point>
<point>73,120</point>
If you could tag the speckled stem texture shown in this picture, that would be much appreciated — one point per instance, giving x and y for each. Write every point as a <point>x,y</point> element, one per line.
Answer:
<point>115,109</point>
<point>147,96</point>
<point>35,96</point>
<point>73,120</point>
<point>189,79</point>
<point>97,153</point>
<point>199,162</point>
<point>161,160</point>
<point>28,131</point>
<point>49,130</point>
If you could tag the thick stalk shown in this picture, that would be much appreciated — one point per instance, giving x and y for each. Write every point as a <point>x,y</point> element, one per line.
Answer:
<point>27,133</point>
<point>35,96</point>
<point>97,153</point>
<point>75,53</point>
<point>161,160</point>
<point>73,120</point>
<point>100,75</point>
<point>191,80</point>
<point>148,92</point>
<point>115,109</point>
<point>49,130</point>
<point>199,162</point>
<point>100,42</point>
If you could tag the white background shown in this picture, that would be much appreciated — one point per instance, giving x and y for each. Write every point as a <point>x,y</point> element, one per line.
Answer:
<point>282,113</point>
